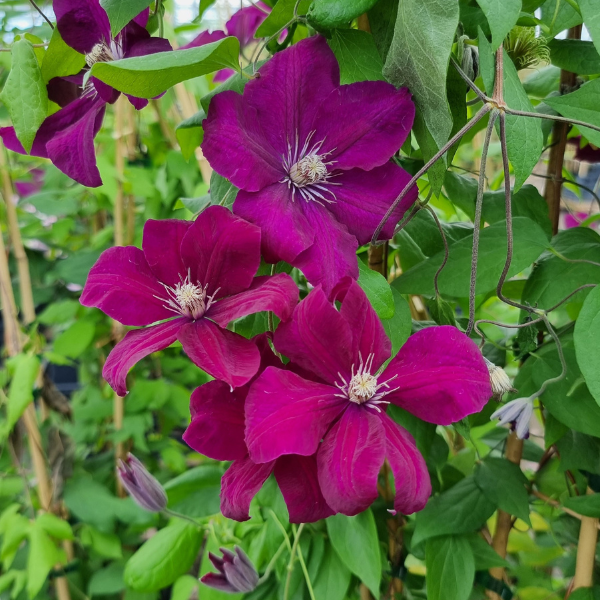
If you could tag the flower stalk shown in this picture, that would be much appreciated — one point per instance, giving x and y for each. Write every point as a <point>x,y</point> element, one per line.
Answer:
<point>586,552</point>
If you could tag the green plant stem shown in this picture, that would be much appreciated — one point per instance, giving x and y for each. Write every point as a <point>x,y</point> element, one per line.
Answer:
<point>446,249</point>
<point>290,566</point>
<point>476,118</point>
<point>174,513</point>
<point>311,592</point>
<point>572,260</point>
<point>477,219</point>
<point>41,13</point>
<point>272,562</point>
<point>482,97</point>
<point>159,16</point>
<point>524,113</point>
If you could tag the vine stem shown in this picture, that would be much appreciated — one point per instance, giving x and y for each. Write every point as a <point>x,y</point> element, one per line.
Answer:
<point>524,113</point>
<point>476,118</point>
<point>477,220</point>
<point>32,2</point>
<point>272,563</point>
<point>290,566</point>
<point>446,249</point>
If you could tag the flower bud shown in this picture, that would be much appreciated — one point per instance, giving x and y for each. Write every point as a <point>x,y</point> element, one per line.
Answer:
<point>145,490</point>
<point>236,572</point>
<point>470,62</point>
<point>499,379</point>
<point>518,413</point>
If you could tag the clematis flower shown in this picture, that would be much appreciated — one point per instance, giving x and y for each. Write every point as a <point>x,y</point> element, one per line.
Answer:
<point>141,485</point>
<point>236,573</point>
<point>311,158</point>
<point>499,379</point>
<point>217,431</point>
<point>201,273</point>
<point>439,376</point>
<point>67,136</point>
<point>517,413</point>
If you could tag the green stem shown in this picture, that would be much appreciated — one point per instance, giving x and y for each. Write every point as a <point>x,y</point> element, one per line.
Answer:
<point>311,593</point>
<point>272,562</point>
<point>174,513</point>
<point>290,566</point>
<point>525,113</point>
<point>159,16</point>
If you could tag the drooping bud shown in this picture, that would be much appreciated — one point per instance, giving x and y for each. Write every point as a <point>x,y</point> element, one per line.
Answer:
<point>145,490</point>
<point>236,573</point>
<point>518,413</point>
<point>470,62</point>
<point>499,379</point>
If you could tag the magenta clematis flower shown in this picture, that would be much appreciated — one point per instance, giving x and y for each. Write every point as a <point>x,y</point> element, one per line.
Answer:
<point>217,431</point>
<point>201,273</point>
<point>439,375</point>
<point>67,136</point>
<point>311,158</point>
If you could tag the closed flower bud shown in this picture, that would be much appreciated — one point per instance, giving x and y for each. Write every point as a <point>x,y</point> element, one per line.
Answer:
<point>470,62</point>
<point>145,490</point>
<point>499,379</point>
<point>518,413</point>
<point>236,573</point>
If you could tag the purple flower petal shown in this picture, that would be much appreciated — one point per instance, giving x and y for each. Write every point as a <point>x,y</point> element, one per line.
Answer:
<point>221,353</point>
<point>64,90</point>
<point>236,146</point>
<point>122,285</point>
<point>244,22</point>
<point>81,23</point>
<point>204,38</point>
<point>286,414</point>
<point>142,18</point>
<point>221,251</point>
<point>349,460</point>
<point>105,92</point>
<point>278,294</point>
<point>240,484</point>
<point>381,186</point>
<point>150,45</point>
<point>219,582</point>
<point>441,376</point>
<point>133,347</point>
<point>333,255</point>
<point>413,486</point>
<point>364,123</point>
<point>162,249</point>
<point>317,338</point>
<point>223,75</point>
<point>285,231</point>
<point>217,426</point>
<point>290,88</point>
<point>137,103</point>
<point>297,478</point>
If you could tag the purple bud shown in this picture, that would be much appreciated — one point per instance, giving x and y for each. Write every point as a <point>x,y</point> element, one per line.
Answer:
<point>235,572</point>
<point>141,485</point>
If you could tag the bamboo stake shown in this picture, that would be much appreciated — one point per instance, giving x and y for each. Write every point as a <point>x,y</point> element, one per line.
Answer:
<point>586,552</point>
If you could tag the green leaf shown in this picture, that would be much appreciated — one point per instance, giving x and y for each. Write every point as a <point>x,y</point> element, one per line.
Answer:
<point>529,242</point>
<point>107,545</point>
<point>503,483</point>
<point>577,450</point>
<point>554,278</point>
<point>355,541</point>
<point>502,16</point>
<point>576,56</point>
<point>43,555</point>
<point>559,15</point>
<point>586,593</point>
<point>74,341</point>
<point>581,105</point>
<point>461,509</point>
<point>25,93</point>
<point>222,191</point>
<point>588,505</point>
<point>54,526</point>
<point>184,587</point>
<point>357,55</point>
<point>377,289</point>
<point>196,492</point>
<point>329,14</point>
<point>542,82</point>
<point>190,134</point>
<point>106,581</point>
<point>418,58</point>
<point>333,578</point>
<point>280,16</point>
<point>462,192</point>
<point>524,138</point>
<point>429,148</point>
<point>204,6</point>
<point>586,337</point>
<point>60,60</point>
<point>398,327</point>
<point>164,557</point>
<point>20,393</point>
<point>450,568</point>
<point>441,311</point>
<point>120,12</point>
<point>58,313</point>
<point>151,75</point>
<point>485,556</point>
<point>382,18</point>
<point>457,100</point>
<point>590,11</point>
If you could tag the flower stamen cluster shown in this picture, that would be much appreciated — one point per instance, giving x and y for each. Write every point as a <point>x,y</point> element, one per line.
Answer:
<point>101,52</point>
<point>187,298</point>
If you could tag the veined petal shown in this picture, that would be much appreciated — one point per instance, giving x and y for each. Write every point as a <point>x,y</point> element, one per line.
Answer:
<point>285,231</point>
<point>317,338</point>
<point>204,38</point>
<point>82,23</point>
<point>381,186</point>
<point>286,414</point>
<point>413,486</point>
<point>143,46</point>
<point>244,22</point>
<point>221,353</point>
<point>364,123</point>
<point>217,426</point>
<point>441,376</point>
<point>122,285</point>
<point>277,293</point>
<point>133,347</point>
<point>240,484</point>
<point>221,251</point>
<point>298,481</point>
<point>349,460</point>
<point>162,248</point>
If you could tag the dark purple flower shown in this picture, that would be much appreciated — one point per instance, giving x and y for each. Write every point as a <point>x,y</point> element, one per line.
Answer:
<point>67,136</point>
<point>217,431</point>
<point>202,273</point>
<point>236,572</point>
<point>311,158</point>
<point>32,186</point>
<point>141,485</point>
<point>439,375</point>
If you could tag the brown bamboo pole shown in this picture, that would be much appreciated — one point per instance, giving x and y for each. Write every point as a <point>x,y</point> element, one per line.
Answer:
<point>586,552</point>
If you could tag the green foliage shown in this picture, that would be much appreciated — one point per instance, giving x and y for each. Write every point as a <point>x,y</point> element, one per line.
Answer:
<point>357,54</point>
<point>502,17</point>
<point>60,60</point>
<point>280,16</point>
<point>20,394</point>
<point>450,568</point>
<point>327,14</point>
<point>120,12</point>
<point>586,335</point>
<point>377,290</point>
<point>576,56</point>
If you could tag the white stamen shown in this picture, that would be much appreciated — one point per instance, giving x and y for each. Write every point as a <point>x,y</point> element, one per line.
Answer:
<point>187,298</point>
<point>99,53</point>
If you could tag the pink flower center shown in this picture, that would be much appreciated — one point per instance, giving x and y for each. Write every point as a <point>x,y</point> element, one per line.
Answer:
<point>363,387</point>
<point>188,299</point>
